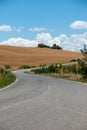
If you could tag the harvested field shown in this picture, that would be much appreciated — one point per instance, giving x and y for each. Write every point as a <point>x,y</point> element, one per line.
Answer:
<point>17,56</point>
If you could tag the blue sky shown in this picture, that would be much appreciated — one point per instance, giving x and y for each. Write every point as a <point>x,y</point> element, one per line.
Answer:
<point>63,22</point>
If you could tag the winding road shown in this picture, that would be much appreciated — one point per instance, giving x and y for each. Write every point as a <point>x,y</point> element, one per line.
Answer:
<point>37,102</point>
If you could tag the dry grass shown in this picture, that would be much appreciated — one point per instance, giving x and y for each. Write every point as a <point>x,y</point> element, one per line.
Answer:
<point>71,76</point>
<point>17,56</point>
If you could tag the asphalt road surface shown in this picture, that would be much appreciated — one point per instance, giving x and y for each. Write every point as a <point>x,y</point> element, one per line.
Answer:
<point>37,102</point>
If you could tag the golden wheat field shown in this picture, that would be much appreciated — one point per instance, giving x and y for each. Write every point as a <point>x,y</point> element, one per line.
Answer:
<point>17,56</point>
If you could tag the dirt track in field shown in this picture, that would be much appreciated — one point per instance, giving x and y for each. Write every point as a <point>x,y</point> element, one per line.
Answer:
<point>17,56</point>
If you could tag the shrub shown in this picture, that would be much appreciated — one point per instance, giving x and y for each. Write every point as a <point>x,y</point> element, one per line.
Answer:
<point>70,69</point>
<point>7,67</point>
<point>82,68</point>
<point>24,67</point>
<point>44,69</point>
<point>51,69</point>
<point>2,70</point>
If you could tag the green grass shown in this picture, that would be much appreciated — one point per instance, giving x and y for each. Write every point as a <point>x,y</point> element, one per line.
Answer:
<point>7,80</point>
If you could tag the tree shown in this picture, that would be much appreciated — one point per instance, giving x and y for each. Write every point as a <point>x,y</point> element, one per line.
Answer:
<point>56,47</point>
<point>84,52</point>
<point>83,63</point>
<point>41,45</point>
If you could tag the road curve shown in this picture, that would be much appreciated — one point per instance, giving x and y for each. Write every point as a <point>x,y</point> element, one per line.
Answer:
<point>37,102</point>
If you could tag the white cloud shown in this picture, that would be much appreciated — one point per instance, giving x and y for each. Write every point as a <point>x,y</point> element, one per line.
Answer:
<point>79,25</point>
<point>5,28</point>
<point>74,43</point>
<point>37,29</point>
<point>78,41</point>
<point>20,42</point>
<point>45,38</point>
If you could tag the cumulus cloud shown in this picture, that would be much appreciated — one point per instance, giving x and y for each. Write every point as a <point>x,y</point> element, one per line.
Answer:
<point>74,42</point>
<point>37,29</point>
<point>79,25</point>
<point>45,38</point>
<point>20,42</point>
<point>6,28</point>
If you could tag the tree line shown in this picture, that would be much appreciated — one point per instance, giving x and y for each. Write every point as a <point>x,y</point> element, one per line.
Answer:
<point>51,47</point>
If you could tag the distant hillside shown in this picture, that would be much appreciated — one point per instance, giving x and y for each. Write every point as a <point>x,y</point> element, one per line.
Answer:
<point>17,56</point>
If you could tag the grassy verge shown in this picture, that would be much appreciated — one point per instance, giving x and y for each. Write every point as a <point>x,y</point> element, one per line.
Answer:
<point>73,77</point>
<point>69,76</point>
<point>6,80</point>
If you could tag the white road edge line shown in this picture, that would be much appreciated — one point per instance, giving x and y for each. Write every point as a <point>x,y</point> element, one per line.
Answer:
<point>9,85</point>
<point>16,104</point>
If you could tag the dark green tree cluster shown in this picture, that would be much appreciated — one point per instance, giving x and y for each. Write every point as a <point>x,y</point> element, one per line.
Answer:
<point>43,46</point>
<point>56,47</point>
<point>51,47</point>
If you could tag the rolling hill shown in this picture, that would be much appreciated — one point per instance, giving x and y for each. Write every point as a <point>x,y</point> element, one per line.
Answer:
<point>17,56</point>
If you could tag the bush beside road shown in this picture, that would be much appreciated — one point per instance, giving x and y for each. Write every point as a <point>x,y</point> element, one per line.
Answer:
<point>6,77</point>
